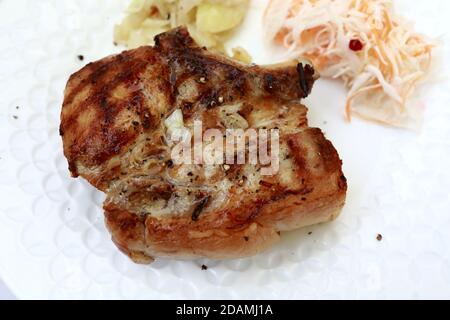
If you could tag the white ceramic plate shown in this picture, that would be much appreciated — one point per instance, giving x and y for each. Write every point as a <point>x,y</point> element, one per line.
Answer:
<point>53,243</point>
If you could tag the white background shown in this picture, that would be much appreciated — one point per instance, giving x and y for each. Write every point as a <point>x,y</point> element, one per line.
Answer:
<point>5,293</point>
<point>53,243</point>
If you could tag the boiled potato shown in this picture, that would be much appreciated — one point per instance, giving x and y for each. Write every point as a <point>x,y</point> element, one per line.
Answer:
<point>137,38</point>
<point>136,6</point>
<point>216,17</point>
<point>240,54</point>
<point>210,22</point>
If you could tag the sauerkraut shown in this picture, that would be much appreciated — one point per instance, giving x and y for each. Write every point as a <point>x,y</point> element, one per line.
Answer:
<point>364,42</point>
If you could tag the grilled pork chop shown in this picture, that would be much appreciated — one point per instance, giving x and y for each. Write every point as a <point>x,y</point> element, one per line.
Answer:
<point>115,121</point>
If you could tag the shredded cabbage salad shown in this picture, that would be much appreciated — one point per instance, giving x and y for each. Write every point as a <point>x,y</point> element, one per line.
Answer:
<point>363,42</point>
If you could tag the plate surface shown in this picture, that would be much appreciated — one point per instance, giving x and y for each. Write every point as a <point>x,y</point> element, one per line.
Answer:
<point>53,243</point>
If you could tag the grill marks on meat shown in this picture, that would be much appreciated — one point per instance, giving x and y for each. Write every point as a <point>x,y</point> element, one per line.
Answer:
<point>112,125</point>
<point>103,103</point>
<point>104,89</point>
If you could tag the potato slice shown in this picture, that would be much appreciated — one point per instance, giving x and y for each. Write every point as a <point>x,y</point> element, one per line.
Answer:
<point>240,54</point>
<point>216,17</point>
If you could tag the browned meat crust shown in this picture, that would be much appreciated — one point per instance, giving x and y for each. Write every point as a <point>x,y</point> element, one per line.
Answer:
<point>112,124</point>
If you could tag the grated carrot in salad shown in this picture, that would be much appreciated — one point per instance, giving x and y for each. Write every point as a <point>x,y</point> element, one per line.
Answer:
<point>363,42</point>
